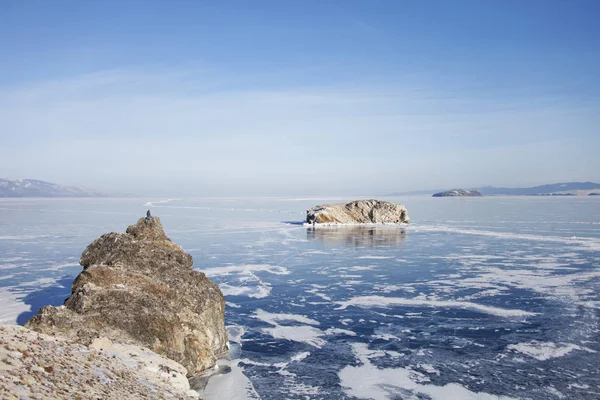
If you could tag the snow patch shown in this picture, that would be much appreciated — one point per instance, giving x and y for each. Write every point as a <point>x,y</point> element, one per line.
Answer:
<point>272,319</point>
<point>257,292</point>
<point>231,386</point>
<point>546,350</point>
<point>297,333</point>
<point>305,334</point>
<point>338,331</point>
<point>380,301</point>
<point>245,281</point>
<point>12,306</point>
<point>369,382</point>
<point>245,270</point>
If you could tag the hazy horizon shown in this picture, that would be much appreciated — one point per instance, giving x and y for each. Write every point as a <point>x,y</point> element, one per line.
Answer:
<point>299,98</point>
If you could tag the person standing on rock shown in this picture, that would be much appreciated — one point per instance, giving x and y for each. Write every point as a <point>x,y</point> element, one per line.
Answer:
<point>148,216</point>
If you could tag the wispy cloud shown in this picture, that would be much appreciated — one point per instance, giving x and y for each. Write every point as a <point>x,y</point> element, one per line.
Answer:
<point>124,128</point>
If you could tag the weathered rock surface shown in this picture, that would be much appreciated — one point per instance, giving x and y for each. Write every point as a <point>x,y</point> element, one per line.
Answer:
<point>139,288</point>
<point>458,193</point>
<point>358,212</point>
<point>38,366</point>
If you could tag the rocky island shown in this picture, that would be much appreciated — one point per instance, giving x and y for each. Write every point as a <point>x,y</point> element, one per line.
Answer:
<point>137,301</point>
<point>358,212</point>
<point>458,193</point>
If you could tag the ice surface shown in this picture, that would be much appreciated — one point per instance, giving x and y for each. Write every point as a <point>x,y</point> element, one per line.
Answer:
<point>298,333</point>
<point>231,386</point>
<point>246,280</point>
<point>498,297</point>
<point>366,381</point>
<point>361,268</point>
<point>259,291</point>
<point>273,318</point>
<point>339,331</point>
<point>380,301</point>
<point>306,334</point>
<point>547,275</point>
<point>584,243</point>
<point>546,350</point>
<point>12,306</point>
<point>245,270</point>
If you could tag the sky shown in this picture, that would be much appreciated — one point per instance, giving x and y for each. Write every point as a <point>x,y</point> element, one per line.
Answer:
<point>268,98</point>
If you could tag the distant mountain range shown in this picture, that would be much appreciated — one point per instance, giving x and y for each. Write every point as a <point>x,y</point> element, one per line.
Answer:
<point>555,189</point>
<point>36,188</point>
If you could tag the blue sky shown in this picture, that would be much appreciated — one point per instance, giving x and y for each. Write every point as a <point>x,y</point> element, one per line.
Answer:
<point>299,97</point>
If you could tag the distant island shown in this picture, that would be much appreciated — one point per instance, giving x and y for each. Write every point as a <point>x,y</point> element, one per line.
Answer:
<point>37,188</point>
<point>555,189</point>
<point>458,193</point>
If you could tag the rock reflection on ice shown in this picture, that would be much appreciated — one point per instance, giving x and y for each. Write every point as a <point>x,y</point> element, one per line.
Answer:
<point>358,236</point>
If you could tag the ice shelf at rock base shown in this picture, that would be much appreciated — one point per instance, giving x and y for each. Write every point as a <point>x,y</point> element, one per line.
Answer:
<point>139,288</point>
<point>358,212</point>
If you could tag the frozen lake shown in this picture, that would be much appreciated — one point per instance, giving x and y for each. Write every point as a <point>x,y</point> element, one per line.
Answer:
<point>480,298</point>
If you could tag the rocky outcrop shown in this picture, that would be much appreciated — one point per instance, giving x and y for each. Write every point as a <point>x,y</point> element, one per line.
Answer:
<point>458,193</point>
<point>38,366</point>
<point>139,288</point>
<point>358,212</point>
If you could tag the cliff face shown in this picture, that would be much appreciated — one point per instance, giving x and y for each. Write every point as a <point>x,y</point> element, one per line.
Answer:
<point>358,212</point>
<point>139,288</point>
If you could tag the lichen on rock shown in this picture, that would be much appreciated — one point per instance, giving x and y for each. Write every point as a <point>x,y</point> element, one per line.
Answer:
<point>139,288</point>
<point>34,365</point>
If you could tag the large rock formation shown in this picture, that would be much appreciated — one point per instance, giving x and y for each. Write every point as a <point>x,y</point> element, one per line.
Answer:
<point>139,288</point>
<point>358,212</point>
<point>458,193</point>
